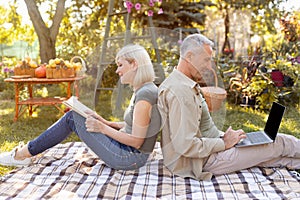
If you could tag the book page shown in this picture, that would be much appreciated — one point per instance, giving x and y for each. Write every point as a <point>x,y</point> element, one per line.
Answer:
<point>77,106</point>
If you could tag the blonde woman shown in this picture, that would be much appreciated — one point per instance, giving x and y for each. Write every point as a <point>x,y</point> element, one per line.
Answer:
<point>121,145</point>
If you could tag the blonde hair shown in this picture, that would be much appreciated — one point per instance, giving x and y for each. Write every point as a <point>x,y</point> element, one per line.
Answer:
<point>136,53</point>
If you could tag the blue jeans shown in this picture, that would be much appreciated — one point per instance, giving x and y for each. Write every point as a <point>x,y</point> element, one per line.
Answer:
<point>115,154</point>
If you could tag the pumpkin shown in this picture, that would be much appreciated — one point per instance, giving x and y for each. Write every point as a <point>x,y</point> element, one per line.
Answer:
<point>40,72</point>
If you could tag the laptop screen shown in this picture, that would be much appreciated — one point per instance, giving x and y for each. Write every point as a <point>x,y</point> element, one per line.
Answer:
<point>274,120</point>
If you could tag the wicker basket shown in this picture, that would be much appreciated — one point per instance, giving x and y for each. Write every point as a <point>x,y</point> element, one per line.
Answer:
<point>56,73</point>
<point>214,95</point>
<point>21,71</point>
<point>49,72</point>
<point>83,68</point>
<point>67,72</point>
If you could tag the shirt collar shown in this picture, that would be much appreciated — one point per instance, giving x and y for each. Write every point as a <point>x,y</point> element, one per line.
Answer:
<point>184,79</point>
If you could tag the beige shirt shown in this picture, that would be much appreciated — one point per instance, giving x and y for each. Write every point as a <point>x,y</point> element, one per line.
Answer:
<point>189,136</point>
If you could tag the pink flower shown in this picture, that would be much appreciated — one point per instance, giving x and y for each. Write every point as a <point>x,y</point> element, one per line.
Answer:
<point>138,6</point>
<point>151,3</point>
<point>129,5</point>
<point>160,11</point>
<point>6,70</point>
<point>150,13</point>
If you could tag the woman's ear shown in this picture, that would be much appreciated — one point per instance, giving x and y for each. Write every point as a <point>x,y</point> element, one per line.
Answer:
<point>134,65</point>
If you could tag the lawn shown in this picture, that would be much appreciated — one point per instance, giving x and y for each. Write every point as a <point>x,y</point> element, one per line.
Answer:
<point>27,128</point>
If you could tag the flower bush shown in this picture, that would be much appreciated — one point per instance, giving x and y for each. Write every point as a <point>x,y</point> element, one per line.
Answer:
<point>6,71</point>
<point>149,7</point>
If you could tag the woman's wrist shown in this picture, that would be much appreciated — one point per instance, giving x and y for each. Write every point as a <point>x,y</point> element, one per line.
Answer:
<point>118,125</point>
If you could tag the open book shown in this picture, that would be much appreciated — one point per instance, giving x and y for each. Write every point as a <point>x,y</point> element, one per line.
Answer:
<point>77,106</point>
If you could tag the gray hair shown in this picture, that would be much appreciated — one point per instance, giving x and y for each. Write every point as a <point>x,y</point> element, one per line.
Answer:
<point>194,43</point>
<point>134,52</point>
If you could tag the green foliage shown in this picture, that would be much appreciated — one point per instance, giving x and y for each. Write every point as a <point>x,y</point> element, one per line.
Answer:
<point>12,29</point>
<point>278,52</point>
<point>250,79</point>
<point>263,12</point>
<point>82,28</point>
<point>185,14</point>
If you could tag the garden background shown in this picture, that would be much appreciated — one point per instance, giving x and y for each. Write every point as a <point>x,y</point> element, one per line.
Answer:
<point>257,57</point>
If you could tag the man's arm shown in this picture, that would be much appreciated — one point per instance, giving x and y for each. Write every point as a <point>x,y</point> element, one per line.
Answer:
<point>183,116</point>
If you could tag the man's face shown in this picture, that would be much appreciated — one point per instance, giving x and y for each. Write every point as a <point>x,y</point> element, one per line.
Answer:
<point>201,61</point>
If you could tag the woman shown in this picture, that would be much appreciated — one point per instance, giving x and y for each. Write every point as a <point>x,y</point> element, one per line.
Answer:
<point>121,145</point>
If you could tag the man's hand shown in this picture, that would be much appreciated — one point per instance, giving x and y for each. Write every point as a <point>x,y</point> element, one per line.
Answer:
<point>232,137</point>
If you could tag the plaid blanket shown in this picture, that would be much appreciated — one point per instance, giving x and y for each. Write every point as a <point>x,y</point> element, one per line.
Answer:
<point>71,171</point>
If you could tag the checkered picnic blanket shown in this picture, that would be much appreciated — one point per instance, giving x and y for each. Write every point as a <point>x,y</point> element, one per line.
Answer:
<point>71,171</point>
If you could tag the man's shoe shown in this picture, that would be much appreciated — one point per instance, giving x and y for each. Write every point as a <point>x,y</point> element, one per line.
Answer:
<point>8,159</point>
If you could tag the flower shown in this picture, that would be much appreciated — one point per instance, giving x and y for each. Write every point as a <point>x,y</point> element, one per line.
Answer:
<point>149,7</point>
<point>150,13</point>
<point>160,11</point>
<point>6,70</point>
<point>138,6</point>
<point>151,3</point>
<point>129,5</point>
<point>298,59</point>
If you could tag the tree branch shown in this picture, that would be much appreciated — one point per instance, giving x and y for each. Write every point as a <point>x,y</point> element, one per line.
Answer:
<point>35,16</point>
<point>59,13</point>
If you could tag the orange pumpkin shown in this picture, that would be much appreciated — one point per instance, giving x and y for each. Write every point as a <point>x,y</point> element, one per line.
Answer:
<point>40,72</point>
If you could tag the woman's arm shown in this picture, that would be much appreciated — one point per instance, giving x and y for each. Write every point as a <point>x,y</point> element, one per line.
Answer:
<point>141,120</point>
<point>115,125</point>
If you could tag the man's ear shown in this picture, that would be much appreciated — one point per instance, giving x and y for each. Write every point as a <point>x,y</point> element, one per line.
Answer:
<point>188,56</point>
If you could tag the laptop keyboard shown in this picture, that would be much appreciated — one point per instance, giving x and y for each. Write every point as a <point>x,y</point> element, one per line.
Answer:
<point>257,137</point>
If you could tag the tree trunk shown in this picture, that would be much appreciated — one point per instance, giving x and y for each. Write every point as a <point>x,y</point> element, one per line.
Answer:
<point>47,47</point>
<point>227,25</point>
<point>47,36</point>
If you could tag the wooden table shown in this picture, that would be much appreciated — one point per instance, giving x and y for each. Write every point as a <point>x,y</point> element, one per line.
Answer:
<point>40,101</point>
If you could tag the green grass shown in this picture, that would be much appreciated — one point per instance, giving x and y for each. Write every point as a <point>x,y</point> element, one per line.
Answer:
<point>27,128</point>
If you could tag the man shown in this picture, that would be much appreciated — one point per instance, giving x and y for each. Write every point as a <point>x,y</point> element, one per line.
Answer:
<point>192,145</point>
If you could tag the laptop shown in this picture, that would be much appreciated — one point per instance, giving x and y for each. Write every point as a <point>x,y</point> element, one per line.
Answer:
<point>269,133</point>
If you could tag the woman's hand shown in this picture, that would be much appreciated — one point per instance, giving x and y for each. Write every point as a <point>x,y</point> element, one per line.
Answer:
<point>115,125</point>
<point>93,124</point>
<point>232,137</point>
<point>95,115</point>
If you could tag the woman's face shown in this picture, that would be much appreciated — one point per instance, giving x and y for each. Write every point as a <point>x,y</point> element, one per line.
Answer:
<point>126,70</point>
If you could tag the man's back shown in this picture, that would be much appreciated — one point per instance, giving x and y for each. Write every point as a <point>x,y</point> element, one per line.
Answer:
<point>182,110</point>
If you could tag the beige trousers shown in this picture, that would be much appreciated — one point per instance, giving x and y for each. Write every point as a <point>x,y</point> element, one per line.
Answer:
<point>284,152</point>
